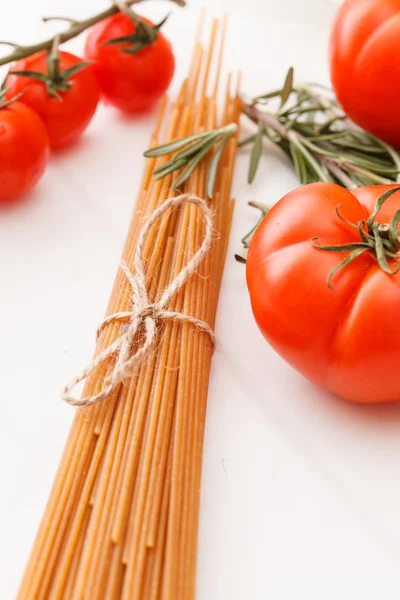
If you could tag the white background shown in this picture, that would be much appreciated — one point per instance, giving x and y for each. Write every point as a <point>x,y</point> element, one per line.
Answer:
<point>301,491</point>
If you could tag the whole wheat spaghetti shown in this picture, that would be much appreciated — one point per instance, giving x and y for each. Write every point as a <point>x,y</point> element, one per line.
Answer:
<point>122,519</point>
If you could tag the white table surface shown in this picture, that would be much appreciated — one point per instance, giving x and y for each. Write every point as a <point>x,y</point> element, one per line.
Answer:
<point>301,491</point>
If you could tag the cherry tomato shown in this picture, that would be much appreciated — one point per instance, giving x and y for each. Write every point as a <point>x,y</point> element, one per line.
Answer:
<point>343,337</point>
<point>131,82</point>
<point>365,64</point>
<point>24,150</point>
<point>66,114</point>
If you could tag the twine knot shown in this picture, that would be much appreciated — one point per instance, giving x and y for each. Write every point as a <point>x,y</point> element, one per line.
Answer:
<point>144,315</point>
<point>148,311</point>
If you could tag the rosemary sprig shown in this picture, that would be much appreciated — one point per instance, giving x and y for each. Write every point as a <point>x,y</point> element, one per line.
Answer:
<point>322,143</point>
<point>194,149</point>
<point>308,125</point>
<point>319,139</point>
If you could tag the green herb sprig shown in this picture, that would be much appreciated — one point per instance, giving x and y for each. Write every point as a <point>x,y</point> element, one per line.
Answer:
<point>319,139</point>
<point>308,125</point>
<point>192,150</point>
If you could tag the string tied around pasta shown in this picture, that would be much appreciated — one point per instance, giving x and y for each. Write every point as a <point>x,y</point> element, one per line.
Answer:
<point>144,314</point>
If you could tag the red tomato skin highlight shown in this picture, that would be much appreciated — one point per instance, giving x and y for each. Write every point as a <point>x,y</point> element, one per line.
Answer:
<point>24,150</point>
<point>365,65</point>
<point>343,339</point>
<point>65,120</point>
<point>130,82</point>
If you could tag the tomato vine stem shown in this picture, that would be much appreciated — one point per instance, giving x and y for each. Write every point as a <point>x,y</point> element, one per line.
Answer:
<point>75,29</point>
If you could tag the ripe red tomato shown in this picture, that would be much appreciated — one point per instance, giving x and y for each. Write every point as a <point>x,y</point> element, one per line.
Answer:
<point>67,115</point>
<point>345,338</point>
<point>24,149</point>
<point>365,65</point>
<point>131,82</point>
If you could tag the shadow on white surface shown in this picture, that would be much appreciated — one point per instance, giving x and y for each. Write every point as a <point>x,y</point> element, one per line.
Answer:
<point>300,491</point>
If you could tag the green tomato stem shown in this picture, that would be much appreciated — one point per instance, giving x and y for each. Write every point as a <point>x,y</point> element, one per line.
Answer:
<point>380,239</point>
<point>76,28</point>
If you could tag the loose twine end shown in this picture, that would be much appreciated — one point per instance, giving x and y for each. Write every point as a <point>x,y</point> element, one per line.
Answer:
<point>144,314</point>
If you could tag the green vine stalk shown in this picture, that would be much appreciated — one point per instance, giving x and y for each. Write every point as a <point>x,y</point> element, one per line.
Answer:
<point>75,28</point>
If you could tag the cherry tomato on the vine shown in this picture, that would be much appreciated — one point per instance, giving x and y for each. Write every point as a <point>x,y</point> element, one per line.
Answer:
<point>65,100</point>
<point>132,74</point>
<point>24,149</point>
<point>337,323</point>
<point>365,65</point>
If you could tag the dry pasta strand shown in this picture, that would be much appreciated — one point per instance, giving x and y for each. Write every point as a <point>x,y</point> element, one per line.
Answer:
<point>122,519</point>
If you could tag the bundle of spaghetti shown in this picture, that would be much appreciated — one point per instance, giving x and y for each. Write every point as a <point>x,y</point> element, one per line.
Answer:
<point>122,518</point>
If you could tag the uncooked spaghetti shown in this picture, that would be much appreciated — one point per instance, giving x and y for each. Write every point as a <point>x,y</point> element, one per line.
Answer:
<point>122,519</point>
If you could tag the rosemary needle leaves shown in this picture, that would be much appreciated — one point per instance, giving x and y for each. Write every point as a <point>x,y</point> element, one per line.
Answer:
<point>189,151</point>
<point>308,125</point>
<point>321,142</point>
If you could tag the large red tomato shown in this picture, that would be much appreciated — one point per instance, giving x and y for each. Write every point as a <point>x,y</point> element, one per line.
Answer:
<point>343,336</point>
<point>24,150</point>
<point>69,107</point>
<point>365,65</point>
<point>132,76</point>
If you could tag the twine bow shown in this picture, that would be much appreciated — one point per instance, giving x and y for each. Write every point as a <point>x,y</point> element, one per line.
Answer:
<point>144,314</point>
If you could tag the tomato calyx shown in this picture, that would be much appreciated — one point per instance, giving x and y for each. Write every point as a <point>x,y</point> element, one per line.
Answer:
<point>144,34</point>
<point>380,239</point>
<point>264,209</point>
<point>3,102</point>
<point>56,79</point>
